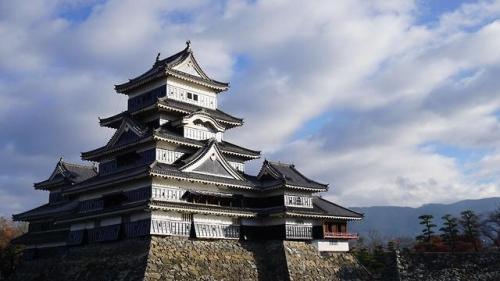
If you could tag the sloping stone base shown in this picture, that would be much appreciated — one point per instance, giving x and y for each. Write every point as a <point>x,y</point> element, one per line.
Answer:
<point>124,261</point>
<point>305,263</point>
<point>449,266</point>
<point>169,258</point>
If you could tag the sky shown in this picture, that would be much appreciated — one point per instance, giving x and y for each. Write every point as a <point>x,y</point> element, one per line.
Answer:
<point>391,102</point>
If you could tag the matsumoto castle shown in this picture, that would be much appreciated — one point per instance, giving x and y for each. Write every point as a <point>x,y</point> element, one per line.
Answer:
<point>169,171</point>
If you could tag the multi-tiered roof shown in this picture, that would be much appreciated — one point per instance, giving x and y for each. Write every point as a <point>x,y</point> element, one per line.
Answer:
<point>167,170</point>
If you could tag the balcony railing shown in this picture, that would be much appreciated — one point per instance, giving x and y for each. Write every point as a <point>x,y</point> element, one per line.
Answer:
<point>217,231</point>
<point>340,235</point>
<point>167,227</point>
<point>298,232</point>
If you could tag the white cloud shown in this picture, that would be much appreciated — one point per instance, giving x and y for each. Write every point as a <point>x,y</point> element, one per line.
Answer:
<point>390,86</point>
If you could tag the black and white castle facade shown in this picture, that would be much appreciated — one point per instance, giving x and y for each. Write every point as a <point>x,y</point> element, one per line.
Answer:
<point>168,171</point>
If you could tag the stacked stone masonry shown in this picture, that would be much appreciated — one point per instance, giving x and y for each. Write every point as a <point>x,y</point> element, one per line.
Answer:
<point>169,258</point>
<point>483,266</point>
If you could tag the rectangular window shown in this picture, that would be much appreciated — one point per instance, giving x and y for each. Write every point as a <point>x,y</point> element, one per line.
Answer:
<point>195,97</point>
<point>189,96</point>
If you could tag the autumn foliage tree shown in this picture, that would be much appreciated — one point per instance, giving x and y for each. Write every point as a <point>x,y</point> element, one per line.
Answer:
<point>9,254</point>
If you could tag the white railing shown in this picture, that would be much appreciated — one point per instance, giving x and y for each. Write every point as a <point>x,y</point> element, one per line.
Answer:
<point>167,194</point>
<point>298,201</point>
<point>238,166</point>
<point>197,134</point>
<point>298,232</point>
<point>217,231</point>
<point>167,156</point>
<point>168,227</point>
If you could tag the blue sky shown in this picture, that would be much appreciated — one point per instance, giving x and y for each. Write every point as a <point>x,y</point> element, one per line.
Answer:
<point>391,102</point>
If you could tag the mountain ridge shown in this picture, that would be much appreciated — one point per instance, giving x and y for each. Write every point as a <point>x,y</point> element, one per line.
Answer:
<point>399,221</point>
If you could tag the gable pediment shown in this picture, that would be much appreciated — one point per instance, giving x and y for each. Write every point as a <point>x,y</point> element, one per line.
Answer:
<point>190,66</point>
<point>210,161</point>
<point>127,132</point>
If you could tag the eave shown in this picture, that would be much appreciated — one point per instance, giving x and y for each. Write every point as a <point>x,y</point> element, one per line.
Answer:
<point>104,213</point>
<point>163,74</point>
<point>319,216</point>
<point>201,209</point>
<point>97,154</point>
<point>204,181</point>
<point>197,144</point>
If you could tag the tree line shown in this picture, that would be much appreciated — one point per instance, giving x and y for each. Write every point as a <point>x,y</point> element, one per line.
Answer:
<point>468,232</point>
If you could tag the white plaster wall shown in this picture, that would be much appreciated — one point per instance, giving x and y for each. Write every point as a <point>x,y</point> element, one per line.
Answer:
<point>172,216</point>
<point>238,166</point>
<point>177,89</point>
<point>301,222</point>
<point>210,219</point>
<point>167,156</point>
<point>331,245</point>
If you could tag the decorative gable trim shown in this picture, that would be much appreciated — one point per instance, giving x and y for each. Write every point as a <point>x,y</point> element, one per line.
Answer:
<point>59,170</point>
<point>190,66</point>
<point>127,126</point>
<point>268,170</point>
<point>205,118</point>
<point>211,153</point>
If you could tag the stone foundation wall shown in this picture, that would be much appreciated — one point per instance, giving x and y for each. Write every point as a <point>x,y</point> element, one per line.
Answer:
<point>170,258</point>
<point>126,262</point>
<point>304,262</point>
<point>184,259</point>
<point>449,266</point>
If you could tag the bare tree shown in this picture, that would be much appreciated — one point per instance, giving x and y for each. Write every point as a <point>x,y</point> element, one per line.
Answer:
<point>490,227</point>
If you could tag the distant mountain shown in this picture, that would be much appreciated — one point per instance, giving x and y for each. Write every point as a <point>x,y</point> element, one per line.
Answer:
<point>391,221</point>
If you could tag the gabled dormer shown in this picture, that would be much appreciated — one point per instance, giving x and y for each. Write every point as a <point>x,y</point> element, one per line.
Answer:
<point>200,125</point>
<point>273,174</point>
<point>129,131</point>
<point>66,173</point>
<point>210,161</point>
<point>179,77</point>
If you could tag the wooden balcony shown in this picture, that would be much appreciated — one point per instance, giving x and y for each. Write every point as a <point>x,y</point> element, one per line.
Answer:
<point>340,235</point>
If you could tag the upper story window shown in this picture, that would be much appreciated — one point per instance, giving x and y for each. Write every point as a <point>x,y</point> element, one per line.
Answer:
<point>298,201</point>
<point>192,96</point>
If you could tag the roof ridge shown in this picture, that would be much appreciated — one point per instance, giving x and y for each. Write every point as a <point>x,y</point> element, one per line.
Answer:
<point>77,165</point>
<point>342,207</point>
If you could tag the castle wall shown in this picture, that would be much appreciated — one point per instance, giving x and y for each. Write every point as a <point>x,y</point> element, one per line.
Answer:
<point>304,262</point>
<point>184,259</point>
<point>123,261</point>
<point>482,266</point>
<point>176,258</point>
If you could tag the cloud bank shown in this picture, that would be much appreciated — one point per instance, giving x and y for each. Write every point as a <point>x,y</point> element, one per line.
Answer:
<point>387,107</point>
